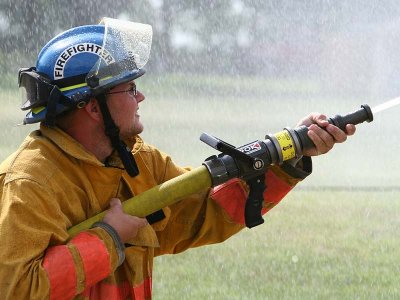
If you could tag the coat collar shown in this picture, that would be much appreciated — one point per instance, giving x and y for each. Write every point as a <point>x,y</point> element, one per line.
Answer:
<point>73,148</point>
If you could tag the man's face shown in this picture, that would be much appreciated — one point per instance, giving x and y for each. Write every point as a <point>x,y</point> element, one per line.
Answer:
<point>124,105</point>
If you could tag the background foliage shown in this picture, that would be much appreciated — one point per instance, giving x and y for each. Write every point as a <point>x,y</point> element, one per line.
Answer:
<point>346,47</point>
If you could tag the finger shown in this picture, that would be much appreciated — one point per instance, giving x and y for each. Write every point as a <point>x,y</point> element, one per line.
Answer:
<point>321,120</point>
<point>339,135</point>
<point>310,119</point>
<point>115,202</point>
<point>350,129</point>
<point>323,140</point>
<point>318,143</point>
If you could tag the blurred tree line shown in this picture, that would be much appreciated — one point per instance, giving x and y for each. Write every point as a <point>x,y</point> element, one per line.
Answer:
<point>199,35</point>
<point>276,38</point>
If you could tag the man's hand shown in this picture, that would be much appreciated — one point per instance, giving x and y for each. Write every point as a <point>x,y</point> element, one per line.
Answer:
<point>126,225</point>
<point>323,134</point>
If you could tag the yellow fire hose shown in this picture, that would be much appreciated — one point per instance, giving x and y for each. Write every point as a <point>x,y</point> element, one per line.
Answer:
<point>157,197</point>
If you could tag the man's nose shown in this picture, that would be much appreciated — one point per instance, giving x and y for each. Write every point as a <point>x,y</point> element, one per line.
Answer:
<point>139,96</point>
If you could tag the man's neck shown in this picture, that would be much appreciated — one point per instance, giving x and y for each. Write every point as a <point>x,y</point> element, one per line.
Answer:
<point>94,141</point>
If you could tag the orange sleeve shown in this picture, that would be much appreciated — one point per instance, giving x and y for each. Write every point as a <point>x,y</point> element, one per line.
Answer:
<point>279,181</point>
<point>39,260</point>
<point>60,265</point>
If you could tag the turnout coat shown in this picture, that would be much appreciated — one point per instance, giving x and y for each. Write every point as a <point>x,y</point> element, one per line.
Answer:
<point>52,183</point>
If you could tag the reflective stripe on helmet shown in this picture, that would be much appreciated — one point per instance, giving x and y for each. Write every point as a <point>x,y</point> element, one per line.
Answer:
<point>72,87</point>
<point>37,110</point>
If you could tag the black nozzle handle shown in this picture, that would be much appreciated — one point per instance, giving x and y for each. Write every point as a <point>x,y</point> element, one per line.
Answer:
<point>254,202</point>
<point>359,116</point>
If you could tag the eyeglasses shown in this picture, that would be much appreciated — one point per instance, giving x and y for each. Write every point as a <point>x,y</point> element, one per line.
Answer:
<point>132,91</point>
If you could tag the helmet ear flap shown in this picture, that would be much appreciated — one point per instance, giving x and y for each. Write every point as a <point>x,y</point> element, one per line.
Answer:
<point>52,102</point>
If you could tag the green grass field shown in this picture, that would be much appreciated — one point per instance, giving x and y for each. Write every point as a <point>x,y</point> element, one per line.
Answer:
<point>329,239</point>
<point>313,245</point>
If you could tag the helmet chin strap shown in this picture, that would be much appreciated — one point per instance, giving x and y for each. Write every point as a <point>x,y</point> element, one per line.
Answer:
<point>112,131</point>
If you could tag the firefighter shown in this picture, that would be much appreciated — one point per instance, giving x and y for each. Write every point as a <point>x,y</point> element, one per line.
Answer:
<point>87,157</point>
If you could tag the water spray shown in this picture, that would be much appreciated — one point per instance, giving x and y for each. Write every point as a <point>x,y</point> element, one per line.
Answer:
<point>386,105</point>
<point>249,162</point>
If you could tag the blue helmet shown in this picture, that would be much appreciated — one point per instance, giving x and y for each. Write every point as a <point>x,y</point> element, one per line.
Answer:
<point>81,63</point>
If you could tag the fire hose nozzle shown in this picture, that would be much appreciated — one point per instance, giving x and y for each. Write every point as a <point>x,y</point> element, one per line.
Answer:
<point>289,143</point>
<point>250,162</point>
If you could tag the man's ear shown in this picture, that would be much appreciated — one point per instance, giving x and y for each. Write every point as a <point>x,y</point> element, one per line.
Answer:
<point>93,109</point>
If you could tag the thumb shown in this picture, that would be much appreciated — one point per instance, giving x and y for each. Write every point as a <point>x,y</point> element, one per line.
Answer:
<point>115,202</point>
<point>320,120</point>
<point>143,222</point>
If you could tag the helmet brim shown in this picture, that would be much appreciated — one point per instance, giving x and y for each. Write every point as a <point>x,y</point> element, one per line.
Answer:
<point>109,83</point>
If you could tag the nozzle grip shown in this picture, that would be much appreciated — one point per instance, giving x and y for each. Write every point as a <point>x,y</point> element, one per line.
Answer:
<point>359,116</point>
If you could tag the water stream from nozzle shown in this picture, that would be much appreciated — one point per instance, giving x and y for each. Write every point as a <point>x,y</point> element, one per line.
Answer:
<point>386,105</point>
